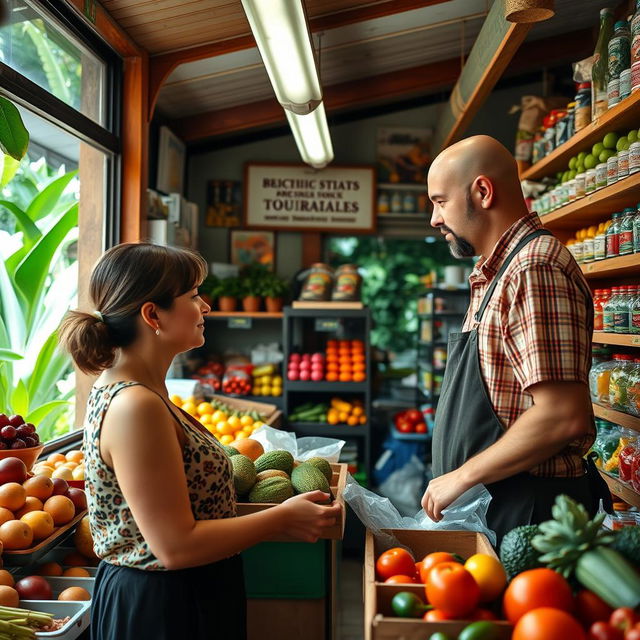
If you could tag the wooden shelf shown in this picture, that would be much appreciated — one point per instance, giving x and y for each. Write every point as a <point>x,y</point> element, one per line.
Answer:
<point>621,490</point>
<point>596,207</point>
<point>623,419</point>
<point>620,339</point>
<point>621,118</point>
<point>619,267</point>
<point>399,186</point>
<point>264,315</point>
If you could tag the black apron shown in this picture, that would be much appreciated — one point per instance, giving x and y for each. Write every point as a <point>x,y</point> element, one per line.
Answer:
<point>466,424</point>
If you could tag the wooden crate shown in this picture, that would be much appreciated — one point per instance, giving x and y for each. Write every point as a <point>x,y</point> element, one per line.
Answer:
<point>338,483</point>
<point>380,624</point>
<point>269,413</point>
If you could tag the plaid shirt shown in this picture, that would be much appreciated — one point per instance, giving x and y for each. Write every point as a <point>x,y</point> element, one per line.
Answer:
<point>536,328</point>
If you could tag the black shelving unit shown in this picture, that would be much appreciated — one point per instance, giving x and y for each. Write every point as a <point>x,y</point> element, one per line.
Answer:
<point>307,330</point>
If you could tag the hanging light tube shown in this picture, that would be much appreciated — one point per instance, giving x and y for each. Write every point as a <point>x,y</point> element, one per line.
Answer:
<point>311,134</point>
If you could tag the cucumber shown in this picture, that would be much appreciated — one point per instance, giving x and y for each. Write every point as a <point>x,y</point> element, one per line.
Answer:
<point>311,415</point>
<point>606,573</point>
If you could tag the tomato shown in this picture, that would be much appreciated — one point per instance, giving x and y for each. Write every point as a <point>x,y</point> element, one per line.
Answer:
<point>413,416</point>
<point>430,561</point>
<point>404,426</point>
<point>591,608</point>
<point>623,618</point>
<point>451,587</point>
<point>395,562</point>
<point>400,579</point>
<point>545,623</point>
<point>536,588</point>
<point>437,615</point>
<point>489,573</point>
<point>604,631</point>
<point>482,614</point>
<point>633,634</point>
<point>421,427</point>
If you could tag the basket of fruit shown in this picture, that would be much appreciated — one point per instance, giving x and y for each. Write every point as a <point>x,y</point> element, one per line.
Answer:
<point>19,439</point>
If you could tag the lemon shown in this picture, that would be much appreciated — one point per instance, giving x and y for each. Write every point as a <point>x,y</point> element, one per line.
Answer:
<point>276,391</point>
<point>240,435</point>
<point>78,473</point>
<point>177,400</point>
<point>226,439</point>
<point>277,381</point>
<point>206,419</point>
<point>190,408</point>
<point>205,408</point>
<point>219,416</point>
<point>596,150</point>
<point>192,399</point>
<point>590,161</point>
<point>246,421</point>
<point>257,424</point>
<point>224,428</point>
<point>234,421</point>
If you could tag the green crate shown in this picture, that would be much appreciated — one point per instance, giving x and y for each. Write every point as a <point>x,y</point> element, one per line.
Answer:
<point>287,570</point>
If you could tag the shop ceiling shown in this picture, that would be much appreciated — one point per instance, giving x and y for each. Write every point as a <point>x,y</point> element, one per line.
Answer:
<point>208,81</point>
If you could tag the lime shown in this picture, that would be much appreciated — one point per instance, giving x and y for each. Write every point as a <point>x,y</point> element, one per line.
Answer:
<point>610,140</point>
<point>590,161</point>
<point>597,149</point>
<point>622,144</point>
<point>580,166</point>
<point>606,154</point>
<point>581,156</point>
<point>565,176</point>
<point>572,174</point>
<point>573,162</point>
<point>632,136</point>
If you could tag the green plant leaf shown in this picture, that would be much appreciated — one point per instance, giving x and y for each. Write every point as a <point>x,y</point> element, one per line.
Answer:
<point>32,272</point>
<point>50,366</point>
<point>5,403</point>
<point>14,137</point>
<point>12,312</point>
<point>6,354</point>
<point>39,414</point>
<point>44,203</point>
<point>9,168</point>
<point>20,399</point>
<point>25,224</point>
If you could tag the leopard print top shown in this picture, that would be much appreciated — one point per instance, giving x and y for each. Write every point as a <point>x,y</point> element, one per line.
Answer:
<point>116,536</point>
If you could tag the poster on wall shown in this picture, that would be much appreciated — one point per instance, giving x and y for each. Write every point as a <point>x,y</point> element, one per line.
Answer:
<point>251,247</point>
<point>403,154</point>
<point>171,161</point>
<point>296,197</point>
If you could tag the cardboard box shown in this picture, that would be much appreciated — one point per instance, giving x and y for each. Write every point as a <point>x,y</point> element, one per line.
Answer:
<point>338,483</point>
<point>269,413</point>
<point>380,624</point>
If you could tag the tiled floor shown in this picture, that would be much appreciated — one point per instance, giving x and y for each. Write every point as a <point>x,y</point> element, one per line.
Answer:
<point>350,605</point>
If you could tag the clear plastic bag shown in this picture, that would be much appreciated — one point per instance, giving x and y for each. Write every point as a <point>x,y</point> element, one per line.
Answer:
<point>300,448</point>
<point>468,512</point>
<point>405,485</point>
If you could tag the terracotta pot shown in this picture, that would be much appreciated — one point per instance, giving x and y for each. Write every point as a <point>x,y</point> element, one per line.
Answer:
<point>251,304</point>
<point>274,305</point>
<point>227,303</point>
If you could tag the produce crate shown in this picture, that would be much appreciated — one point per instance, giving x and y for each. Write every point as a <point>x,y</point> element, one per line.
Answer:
<point>270,413</point>
<point>338,483</point>
<point>378,616</point>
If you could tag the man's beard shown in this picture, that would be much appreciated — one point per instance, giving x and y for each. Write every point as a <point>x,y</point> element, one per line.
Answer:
<point>459,247</point>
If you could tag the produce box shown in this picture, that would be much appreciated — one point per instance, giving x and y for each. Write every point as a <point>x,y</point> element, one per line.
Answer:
<point>378,616</point>
<point>269,413</point>
<point>79,614</point>
<point>338,483</point>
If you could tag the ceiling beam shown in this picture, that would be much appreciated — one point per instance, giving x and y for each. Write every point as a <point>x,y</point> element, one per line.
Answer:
<point>397,85</point>
<point>162,65</point>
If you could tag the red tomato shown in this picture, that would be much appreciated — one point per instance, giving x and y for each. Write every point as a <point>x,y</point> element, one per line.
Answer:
<point>400,579</point>
<point>591,608</point>
<point>546,623</point>
<point>395,562</point>
<point>623,618</point>
<point>430,561</point>
<point>633,634</point>
<point>404,426</point>
<point>481,614</point>
<point>452,588</point>
<point>536,588</point>
<point>437,615</point>
<point>414,416</point>
<point>417,574</point>
<point>604,631</point>
<point>421,427</point>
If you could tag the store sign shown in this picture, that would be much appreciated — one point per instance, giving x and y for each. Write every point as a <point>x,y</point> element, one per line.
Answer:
<point>299,198</point>
<point>327,324</point>
<point>239,323</point>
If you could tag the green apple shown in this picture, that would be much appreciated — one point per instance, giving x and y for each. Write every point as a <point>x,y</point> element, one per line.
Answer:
<point>610,140</point>
<point>606,154</point>
<point>573,162</point>
<point>632,136</point>
<point>572,174</point>
<point>622,144</point>
<point>581,156</point>
<point>565,176</point>
<point>597,149</point>
<point>590,161</point>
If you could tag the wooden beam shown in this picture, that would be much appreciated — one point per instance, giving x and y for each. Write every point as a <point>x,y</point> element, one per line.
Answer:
<point>162,65</point>
<point>490,55</point>
<point>311,248</point>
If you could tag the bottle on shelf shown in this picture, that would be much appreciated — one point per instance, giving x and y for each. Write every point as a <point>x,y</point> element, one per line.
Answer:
<point>608,310</point>
<point>613,235</point>
<point>625,236</point>
<point>588,244</point>
<point>622,311</point>
<point>600,242</point>
<point>627,454</point>
<point>599,356</point>
<point>636,230</point>
<point>599,70</point>
<point>619,382</point>
<point>635,40</point>
<point>600,298</point>
<point>635,316</point>
<point>633,390</point>
<point>599,378</point>
<point>583,106</point>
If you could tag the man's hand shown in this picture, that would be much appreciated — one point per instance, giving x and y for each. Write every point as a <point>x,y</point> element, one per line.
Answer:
<point>441,492</point>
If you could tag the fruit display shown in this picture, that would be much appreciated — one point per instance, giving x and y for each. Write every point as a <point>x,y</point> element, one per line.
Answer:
<point>266,381</point>
<point>236,382</point>
<point>15,433</point>
<point>336,411</point>
<point>66,466</point>
<point>343,361</point>
<point>410,421</point>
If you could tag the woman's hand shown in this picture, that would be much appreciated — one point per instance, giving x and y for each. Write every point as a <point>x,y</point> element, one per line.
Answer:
<point>305,520</point>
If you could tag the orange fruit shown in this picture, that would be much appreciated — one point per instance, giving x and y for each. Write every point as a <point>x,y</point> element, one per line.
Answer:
<point>345,377</point>
<point>331,376</point>
<point>75,455</point>
<point>30,504</point>
<point>6,515</point>
<point>63,472</point>
<point>56,457</point>
<point>16,534</point>
<point>76,572</point>
<point>9,596</point>
<point>359,376</point>
<point>49,569</point>
<point>6,578</point>
<point>41,523</point>
<point>12,496</point>
<point>75,559</point>
<point>43,470</point>
<point>39,487</point>
<point>249,447</point>
<point>58,463</point>
<point>70,465</point>
<point>60,508</point>
<point>359,366</point>
<point>74,593</point>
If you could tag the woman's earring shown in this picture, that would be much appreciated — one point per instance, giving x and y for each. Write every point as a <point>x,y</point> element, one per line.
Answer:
<point>157,331</point>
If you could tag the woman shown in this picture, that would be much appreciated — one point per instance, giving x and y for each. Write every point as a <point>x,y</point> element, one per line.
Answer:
<point>160,488</point>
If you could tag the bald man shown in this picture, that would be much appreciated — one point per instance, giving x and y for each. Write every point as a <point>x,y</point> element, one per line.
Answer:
<point>514,412</point>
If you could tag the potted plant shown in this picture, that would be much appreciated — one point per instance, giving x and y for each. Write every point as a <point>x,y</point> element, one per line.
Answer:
<point>274,290</point>
<point>227,292</point>
<point>251,290</point>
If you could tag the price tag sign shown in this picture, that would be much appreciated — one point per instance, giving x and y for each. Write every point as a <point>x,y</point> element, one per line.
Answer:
<point>327,324</point>
<point>239,323</point>
<point>635,340</point>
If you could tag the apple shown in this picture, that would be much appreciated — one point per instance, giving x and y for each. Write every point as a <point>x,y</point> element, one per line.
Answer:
<point>304,375</point>
<point>12,470</point>
<point>33,588</point>
<point>316,376</point>
<point>293,374</point>
<point>78,497</point>
<point>16,420</point>
<point>60,487</point>
<point>294,357</point>
<point>4,420</point>
<point>317,357</point>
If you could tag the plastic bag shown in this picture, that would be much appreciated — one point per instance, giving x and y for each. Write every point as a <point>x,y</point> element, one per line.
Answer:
<point>300,448</point>
<point>405,486</point>
<point>468,512</point>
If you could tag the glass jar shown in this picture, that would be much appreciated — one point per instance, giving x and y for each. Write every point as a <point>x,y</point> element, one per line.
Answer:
<point>600,298</point>
<point>622,313</point>
<point>627,454</point>
<point>583,106</point>
<point>317,286</point>
<point>612,170</point>
<point>600,243</point>
<point>606,442</point>
<point>619,382</point>
<point>611,464</point>
<point>634,157</point>
<point>599,377</point>
<point>347,283</point>
<point>623,164</point>
<point>608,310</point>
<point>625,235</point>
<point>601,175</point>
<point>633,389</point>
<point>590,181</point>
<point>613,235</point>
<point>636,230</point>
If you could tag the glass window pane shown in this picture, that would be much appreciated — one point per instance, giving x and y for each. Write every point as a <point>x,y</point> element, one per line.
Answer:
<point>40,49</point>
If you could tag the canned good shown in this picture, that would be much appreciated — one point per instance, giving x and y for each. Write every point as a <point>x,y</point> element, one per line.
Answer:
<point>580,185</point>
<point>634,158</point>
<point>612,170</point>
<point>590,181</point>
<point>571,190</point>
<point>601,175</point>
<point>635,76</point>
<point>623,164</point>
<point>613,92</point>
<point>625,84</point>
<point>635,46</point>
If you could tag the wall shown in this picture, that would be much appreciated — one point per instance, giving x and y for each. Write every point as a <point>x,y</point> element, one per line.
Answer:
<point>353,143</point>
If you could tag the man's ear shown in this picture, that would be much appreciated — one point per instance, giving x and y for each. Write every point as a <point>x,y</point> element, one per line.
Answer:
<point>484,191</point>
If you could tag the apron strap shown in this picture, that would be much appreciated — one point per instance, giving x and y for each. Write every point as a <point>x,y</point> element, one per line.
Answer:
<point>494,283</point>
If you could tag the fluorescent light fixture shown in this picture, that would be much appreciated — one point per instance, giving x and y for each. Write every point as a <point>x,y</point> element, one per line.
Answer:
<point>311,134</point>
<point>282,34</point>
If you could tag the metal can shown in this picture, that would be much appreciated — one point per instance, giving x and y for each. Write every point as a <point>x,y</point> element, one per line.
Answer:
<point>612,170</point>
<point>635,76</point>
<point>580,185</point>
<point>613,92</point>
<point>590,181</point>
<point>623,164</point>
<point>625,84</point>
<point>634,158</point>
<point>601,175</point>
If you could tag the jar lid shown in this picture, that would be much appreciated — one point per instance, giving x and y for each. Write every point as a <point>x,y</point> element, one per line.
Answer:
<point>584,85</point>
